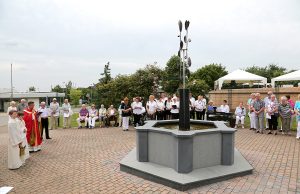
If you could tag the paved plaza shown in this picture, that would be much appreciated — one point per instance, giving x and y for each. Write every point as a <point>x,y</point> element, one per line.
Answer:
<point>87,161</point>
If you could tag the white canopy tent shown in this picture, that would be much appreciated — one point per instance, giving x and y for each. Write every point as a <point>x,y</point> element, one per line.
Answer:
<point>240,76</point>
<point>287,77</point>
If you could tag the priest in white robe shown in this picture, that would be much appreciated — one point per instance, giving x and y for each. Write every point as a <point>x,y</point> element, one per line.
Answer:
<point>15,142</point>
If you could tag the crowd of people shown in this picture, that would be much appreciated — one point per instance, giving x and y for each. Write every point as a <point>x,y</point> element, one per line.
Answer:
<point>26,125</point>
<point>264,113</point>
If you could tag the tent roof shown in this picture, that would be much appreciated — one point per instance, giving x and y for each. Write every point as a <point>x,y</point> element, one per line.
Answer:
<point>295,75</point>
<point>241,76</point>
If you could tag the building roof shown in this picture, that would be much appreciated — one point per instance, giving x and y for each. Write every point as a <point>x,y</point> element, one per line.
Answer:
<point>32,94</point>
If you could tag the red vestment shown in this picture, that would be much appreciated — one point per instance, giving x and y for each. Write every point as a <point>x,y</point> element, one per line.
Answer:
<point>33,133</point>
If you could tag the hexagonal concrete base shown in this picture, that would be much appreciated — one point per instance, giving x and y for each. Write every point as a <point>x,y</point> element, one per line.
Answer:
<point>169,177</point>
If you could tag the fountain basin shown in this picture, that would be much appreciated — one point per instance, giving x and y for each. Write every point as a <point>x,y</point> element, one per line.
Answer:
<point>185,151</point>
<point>184,159</point>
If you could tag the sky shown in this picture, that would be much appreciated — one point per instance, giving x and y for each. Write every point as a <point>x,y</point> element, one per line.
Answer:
<point>50,42</point>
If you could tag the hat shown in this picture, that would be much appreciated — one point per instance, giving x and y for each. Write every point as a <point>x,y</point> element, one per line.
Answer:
<point>54,99</point>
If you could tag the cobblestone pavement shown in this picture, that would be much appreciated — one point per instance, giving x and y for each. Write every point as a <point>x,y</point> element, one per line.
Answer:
<point>3,119</point>
<point>87,161</point>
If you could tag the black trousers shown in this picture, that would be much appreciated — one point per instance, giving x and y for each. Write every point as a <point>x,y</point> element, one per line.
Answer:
<point>45,124</point>
<point>160,115</point>
<point>273,122</point>
<point>192,114</point>
<point>200,115</point>
<point>175,115</point>
<point>137,119</point>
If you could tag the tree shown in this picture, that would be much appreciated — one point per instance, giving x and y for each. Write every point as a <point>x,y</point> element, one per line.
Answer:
<point>58,89</point>
<point>268,72</point>
<point>75,95</point>
<point>149,80</point>
<point>209,73</point>
<point>171,79</point>
<point>141,83</point>
<point>106,77</point>
<point>198,87</point>
<point>31,89</point>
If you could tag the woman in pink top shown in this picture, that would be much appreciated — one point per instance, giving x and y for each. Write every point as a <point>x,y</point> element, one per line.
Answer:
<point>292,104</point>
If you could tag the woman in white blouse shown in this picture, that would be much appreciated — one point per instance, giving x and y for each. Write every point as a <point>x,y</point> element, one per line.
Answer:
<point>151,107</point>
<point>175,108</point>
<point>137,108</point>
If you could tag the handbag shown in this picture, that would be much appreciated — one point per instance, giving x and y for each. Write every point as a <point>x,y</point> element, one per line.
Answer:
<point>22,151</point>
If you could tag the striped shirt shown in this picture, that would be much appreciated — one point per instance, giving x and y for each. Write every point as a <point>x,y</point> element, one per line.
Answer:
<point>285,110</point>
<point>257,105</point>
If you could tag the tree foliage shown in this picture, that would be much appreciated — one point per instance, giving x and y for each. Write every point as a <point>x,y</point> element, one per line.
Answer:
<point>106,77</point>
<point>75,95</point>
<point>141,83</point>
<point>198,87</point>
<point>268,72</point>
<point>31,89</point>
<point>58,89</point>
<point>171,79</point>
<point>209,73</point>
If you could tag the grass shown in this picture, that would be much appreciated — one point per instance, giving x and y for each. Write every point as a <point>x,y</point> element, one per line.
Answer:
<point>294,125</point>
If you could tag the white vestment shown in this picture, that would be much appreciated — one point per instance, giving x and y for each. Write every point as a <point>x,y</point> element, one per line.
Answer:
<point>22,128</point>
<point>14,159</point>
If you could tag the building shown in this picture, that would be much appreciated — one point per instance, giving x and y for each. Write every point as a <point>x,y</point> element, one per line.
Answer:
<point>36,97</point>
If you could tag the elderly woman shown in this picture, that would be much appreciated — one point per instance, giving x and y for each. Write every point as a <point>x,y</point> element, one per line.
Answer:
<point>258,108</point>
<point>93,116</point>
<point>126,113</point>
<point>102,115</point>
<point>297,110</point>
<point>285,112</point>
<point>251,113</point>
<point>137,108</point>
<point>272,114</point>
<point>175,108</point>
<point>151,108</point>
<point>12,107</point>
<point>200,106</point>
<point>240,113</point>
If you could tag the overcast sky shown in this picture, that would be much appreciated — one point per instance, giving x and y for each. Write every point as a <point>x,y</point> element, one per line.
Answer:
<point>53,41</point>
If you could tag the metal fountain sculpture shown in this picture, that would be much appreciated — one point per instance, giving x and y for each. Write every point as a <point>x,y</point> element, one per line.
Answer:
<point>185,63</point>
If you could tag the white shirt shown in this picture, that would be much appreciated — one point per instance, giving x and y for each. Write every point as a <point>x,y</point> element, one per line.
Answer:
<point>240,111</point>
<point>44,112</point>
<point>93,112</point>
<point>199,105</point>
<point>151,106</point>
<point>160,106</point>
<point>224,108</point>
<point>102,112</point>
<point>168,105</point>
<point>11,108</point>
<point>137,108</point>
<point>176,110</point>
<point>112,112</point>
<point>54,107</point>
<point>192,102</point>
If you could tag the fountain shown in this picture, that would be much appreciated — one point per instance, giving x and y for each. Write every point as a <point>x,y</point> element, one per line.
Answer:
<point>185,153</point>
